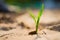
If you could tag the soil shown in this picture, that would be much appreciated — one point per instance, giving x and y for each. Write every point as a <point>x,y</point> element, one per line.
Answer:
<point>32,33</point>
<point>23,28</point>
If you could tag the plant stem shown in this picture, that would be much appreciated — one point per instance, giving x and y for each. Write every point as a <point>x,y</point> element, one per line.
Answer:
<point>39,17</point>
<point>37,23</point>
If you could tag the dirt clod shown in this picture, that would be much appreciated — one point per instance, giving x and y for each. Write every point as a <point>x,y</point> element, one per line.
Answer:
<point>32,33</point>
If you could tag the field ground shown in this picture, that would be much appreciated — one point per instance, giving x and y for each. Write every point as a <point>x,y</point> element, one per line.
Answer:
<point>19,28</point>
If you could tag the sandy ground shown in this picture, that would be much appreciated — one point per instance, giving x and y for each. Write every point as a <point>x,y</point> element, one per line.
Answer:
<point>24,24</point>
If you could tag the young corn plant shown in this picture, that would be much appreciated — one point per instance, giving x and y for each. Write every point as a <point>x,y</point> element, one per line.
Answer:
<point>37,19</point>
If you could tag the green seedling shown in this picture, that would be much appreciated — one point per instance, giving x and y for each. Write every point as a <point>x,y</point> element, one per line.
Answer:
<point>37,19</point>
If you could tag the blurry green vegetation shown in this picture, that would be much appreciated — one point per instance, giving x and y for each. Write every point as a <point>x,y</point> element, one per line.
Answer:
<point>21,1</point>
<point>24,3</point>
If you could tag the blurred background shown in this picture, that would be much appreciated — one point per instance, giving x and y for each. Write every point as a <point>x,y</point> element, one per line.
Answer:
<point>21,3</point>
<point>18,7</point>
<point>33,4</point>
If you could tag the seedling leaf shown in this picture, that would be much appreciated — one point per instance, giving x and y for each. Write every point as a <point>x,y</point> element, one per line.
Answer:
<point>41,11</point>
<point>39,16</point>
<point>33,16</point>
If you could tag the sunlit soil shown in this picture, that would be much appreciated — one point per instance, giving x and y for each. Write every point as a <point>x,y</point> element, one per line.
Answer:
<point>23,24</point>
